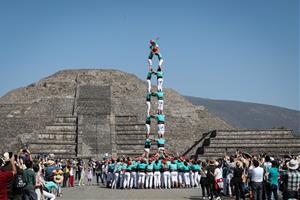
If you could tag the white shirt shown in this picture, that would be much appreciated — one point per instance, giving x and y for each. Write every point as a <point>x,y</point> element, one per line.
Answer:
<point>257,174</point>
<point>218,173</point>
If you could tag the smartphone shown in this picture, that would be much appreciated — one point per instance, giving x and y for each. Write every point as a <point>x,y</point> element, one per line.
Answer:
<point>10,154</point>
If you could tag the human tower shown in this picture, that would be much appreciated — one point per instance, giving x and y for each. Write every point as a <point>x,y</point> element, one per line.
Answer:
<point>159,94</point>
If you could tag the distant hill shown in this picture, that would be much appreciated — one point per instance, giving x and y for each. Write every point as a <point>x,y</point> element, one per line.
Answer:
<point>251,115</point>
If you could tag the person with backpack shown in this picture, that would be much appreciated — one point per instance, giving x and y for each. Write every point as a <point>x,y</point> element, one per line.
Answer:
<point>30,180</point>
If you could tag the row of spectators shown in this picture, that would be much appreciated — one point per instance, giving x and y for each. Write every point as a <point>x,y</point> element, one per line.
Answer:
<point>240,175</point>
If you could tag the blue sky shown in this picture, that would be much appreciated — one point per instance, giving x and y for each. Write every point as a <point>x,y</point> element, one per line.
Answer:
<point>236,50</point>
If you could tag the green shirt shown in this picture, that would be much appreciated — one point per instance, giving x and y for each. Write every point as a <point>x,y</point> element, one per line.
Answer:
<point>160,118</point>
<point>29,178</point>
<point>142,166</point>
<point>157,166</point>
<point>160,95</point>
<point>173,167</point>
<point>148,120</point>
<point>159,74</point>
<point>149,74</point>
<point>150,167</point>
<point>273,175</point>
<point>161,141</point>
<point>147,143</point>
<point>148,96</point>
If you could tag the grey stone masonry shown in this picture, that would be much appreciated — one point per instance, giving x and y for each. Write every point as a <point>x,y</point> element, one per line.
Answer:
<point>273,142</point>
<point>58,138</point>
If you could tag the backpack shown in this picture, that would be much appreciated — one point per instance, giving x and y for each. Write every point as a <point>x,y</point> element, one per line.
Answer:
<point>19,182</point>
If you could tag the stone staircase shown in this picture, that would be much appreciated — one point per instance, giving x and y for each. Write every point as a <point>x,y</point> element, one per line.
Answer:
<point>273,142</point>
<point>58,138</point>
<point>130,136</point>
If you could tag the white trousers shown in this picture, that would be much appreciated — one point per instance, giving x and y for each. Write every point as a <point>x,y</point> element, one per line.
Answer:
<point>161,128</point>
<point>149,85</point>
<point>174,177</point>
<point>197,178</point>
<point>160,105</point>
<point>187,179</point>
<point>167,179</point>
<point>192,178</point>
<point>149,179</point>
<point>148,107</point>
<point>180,177</point>
<point>49,195</point>
<point>160,62</point>
<point>126,180</point>
<point>148,128</point>
<point>133,180</point>
<point>159,84</point>
<point>157,182</point>
<point>141,178</point>
<point>115,180</point>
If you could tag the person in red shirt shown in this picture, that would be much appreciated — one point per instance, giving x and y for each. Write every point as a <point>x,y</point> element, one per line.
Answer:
<point>4,176</point>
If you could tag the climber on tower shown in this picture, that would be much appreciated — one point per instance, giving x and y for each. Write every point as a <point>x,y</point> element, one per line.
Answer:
<point>148,123</point>
<point>149,74</point>
<point>154,51</point>
<point>160,124</point>
<point>159,74</point>
<point>147,147</point>
<point>148,101</point>
<point>160,102</point>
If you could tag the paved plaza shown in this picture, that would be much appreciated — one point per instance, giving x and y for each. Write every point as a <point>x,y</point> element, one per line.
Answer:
<point>100,192</point>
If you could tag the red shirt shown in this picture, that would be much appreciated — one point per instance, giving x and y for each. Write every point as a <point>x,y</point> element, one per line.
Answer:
<point>4,176</point>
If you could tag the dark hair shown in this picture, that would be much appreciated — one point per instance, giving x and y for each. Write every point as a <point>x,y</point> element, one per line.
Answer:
<point>36,168</point>
<point>28,164</point>
<point>267,158</point>
<point>255,163</point>
<point>274,163</point>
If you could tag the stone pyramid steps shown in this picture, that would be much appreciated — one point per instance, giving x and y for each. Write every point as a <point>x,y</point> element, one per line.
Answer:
<point>130,136</point>
<point>273,142</point>
<point>58,138</point>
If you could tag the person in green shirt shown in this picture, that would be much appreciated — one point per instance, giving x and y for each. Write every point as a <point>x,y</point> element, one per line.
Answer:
<point>29,179</point>
<point>149,174</point>
<point>180,172</point>
<point>142,169</point>
<point>174,174</point>
<point>159,74</point>
<point>148,101</point>
<point>127,173</point>
<point>157,176</point>
<point>147,147</point>
<point>133,175</point>
<point>149,75</point>
<point>272,184</point>
<point>160,123</point>
<point>161,144</point>
<point>186,170</point>
<point>148,124</point>
<point>160,101</point>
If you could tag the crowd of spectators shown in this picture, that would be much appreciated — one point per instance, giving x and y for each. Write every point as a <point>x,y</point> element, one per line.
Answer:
<point>237,176</point>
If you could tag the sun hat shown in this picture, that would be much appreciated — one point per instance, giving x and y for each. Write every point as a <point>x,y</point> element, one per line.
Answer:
<point>6,157</point>
<point>211,162</point>
<point>293,164</point>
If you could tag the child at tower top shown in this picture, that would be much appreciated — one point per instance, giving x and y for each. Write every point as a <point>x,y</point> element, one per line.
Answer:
<point>154,50</point>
